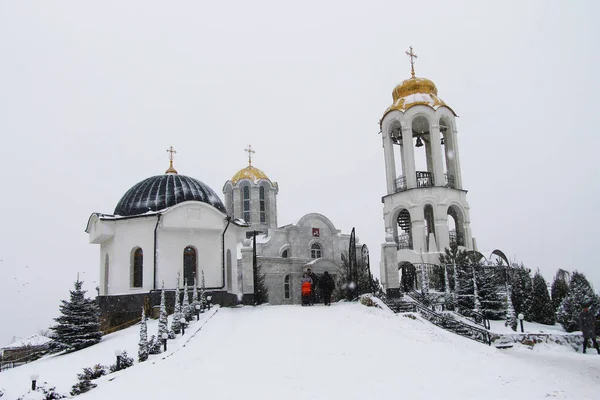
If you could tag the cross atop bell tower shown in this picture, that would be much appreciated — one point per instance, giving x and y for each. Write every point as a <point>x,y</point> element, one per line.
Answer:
<point>412,56</point>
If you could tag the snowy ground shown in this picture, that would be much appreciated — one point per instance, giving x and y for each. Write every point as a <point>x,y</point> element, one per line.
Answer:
<point>346,351</point>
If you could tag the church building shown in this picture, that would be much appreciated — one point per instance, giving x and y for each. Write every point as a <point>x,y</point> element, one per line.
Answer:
<point>171,225</point>
<point>285,252</point>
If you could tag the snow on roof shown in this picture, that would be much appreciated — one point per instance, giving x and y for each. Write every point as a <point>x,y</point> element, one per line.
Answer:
<point>264,238</point>
<point>33,340</point>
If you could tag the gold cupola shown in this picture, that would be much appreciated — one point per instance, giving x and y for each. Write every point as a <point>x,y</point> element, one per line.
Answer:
<point>415,91</point>
<point>249,172</point>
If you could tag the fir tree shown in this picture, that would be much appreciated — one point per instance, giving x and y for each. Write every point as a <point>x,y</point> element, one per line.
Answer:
<point>78,326</point>
<point>489,280</point>
<point>175,321</point>
<point>125,362</point>
<point>143,343</point>
<point>260,290</point>
<point>580,295</point>
<point>449,299</point>
<point>559,290</point>
<point>203,303</point>
<point>195,301</point>
<point>186,310</point>
<point>511,317</point>
<point>541,305</point>
<point>162,316</point>
<point>522,290</point>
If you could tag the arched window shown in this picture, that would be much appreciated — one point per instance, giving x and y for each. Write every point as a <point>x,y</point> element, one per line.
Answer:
<point>246,203</point>
<point>455,226</point>
<point>286,287</point>
<point>189,265</point>
<point>263,209</point>
<point>429,224</point>
<point>315,250</point>
<point>106,274</point>
<point>403,230</point>
<point>285,253</point>
<point>229,270</point>
<point>137,270</point>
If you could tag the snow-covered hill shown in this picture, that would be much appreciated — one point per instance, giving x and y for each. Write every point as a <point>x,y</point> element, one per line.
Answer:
<point>346,351</point>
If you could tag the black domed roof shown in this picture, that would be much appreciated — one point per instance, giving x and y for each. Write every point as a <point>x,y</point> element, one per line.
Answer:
<point>162,191</point>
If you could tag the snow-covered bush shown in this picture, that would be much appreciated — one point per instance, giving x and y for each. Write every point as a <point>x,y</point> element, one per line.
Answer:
<point>162,316</point>
<point>41,393</point>
<point>125,362</point>
<point>186,309</point>
<point>175,322</point>
<point>85,379</point>
<point>155,345</point>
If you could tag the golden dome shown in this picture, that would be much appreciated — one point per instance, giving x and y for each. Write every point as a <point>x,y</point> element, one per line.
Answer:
<point>249,172</point>
<point>413,92</point>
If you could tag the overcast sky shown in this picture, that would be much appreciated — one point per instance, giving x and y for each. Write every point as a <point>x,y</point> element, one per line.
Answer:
<point>92,94</point>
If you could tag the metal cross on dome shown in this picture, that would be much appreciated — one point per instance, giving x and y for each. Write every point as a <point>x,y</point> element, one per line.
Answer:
<point>172,151</point>
<point>412,56</point>
<point>250,152</point>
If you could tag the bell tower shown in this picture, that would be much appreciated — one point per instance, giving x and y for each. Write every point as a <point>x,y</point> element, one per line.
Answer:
<point>250,195</point>
<point>425,208</point>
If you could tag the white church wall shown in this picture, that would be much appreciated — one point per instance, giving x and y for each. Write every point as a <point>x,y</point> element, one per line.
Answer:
<point>130,234</point>
<point>190,224</point>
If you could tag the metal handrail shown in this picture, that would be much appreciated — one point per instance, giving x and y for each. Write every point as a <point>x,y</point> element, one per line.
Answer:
<point>449,181</point>
<point>400,183</point>
<point>424,179</point>
<point>474,316</point>
<point>442,321</point>
<point>404,241</point>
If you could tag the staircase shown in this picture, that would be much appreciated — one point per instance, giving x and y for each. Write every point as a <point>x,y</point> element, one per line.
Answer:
<point>444,321</point>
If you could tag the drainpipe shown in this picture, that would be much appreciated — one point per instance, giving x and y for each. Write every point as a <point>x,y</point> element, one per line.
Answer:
<point>155,255</point>
<point>228,219</point>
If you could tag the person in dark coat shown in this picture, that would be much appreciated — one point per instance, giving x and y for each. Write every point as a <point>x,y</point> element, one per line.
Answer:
<point>326,284</point>
<point>315,281</point>
<point>586,324</point>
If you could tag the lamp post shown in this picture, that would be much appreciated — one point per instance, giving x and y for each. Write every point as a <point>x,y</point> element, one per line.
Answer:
<point>183,322</point>
<point>34,378</point>
<point>118,353</point>
<point>208,300</point>
<point>164,338</point>
<point>197,312</point>
<point>521,316</point>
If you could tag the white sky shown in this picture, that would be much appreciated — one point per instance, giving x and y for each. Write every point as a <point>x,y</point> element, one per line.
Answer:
<point>91,95</point>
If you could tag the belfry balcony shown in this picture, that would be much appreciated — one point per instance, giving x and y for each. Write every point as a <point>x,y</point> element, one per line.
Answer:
<point>424,179</point>
<point>404,241</point>
<point>449,181</point>
<point>456,238</point>
<point>400,183</point>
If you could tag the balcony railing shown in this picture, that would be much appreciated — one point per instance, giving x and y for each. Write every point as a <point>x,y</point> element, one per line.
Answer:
<point>449,181</point>
<point>424,179</point>
<point>456,238</point>
<point>404,241</point>
<point>400,183</point>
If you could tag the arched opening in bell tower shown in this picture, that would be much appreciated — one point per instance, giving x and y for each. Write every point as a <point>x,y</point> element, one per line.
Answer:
<point>448,160</point>
<point>423,151</point>
<point>429,225</point>
<point>398,156</point>
<point>456,226</point>
<point>404,230</point>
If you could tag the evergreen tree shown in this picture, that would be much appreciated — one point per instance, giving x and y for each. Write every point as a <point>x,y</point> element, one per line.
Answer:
<point>195,301</point>
<point>559,290</point>
<point>365,280</point>
<point>175,321</point>
<point>261,291</point>
<point>143,343</point>
<point>186,310</point>
<point>78,326</point>
<point>489,280</point>
<point>203,303</point>
<point>541,305</point>
<point>162,316</point>
<point>522,290</point>
<point>580,295</point>
<point>449,299</point>
<point>511,316</point>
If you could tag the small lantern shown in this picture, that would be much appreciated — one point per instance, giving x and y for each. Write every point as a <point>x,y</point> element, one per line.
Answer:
<point>34,378</point>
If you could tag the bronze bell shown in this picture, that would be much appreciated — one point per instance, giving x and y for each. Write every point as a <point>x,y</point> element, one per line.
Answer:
<point>419,142</point>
